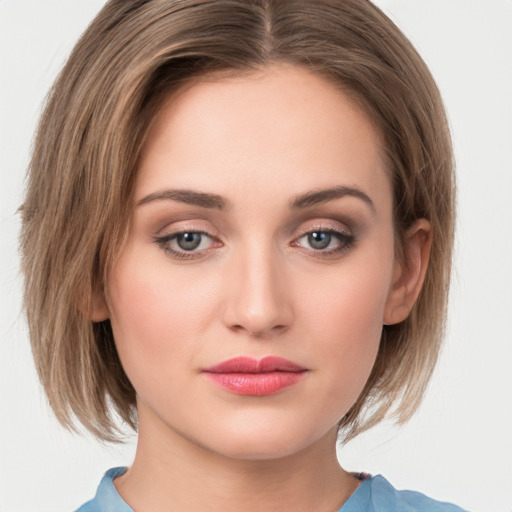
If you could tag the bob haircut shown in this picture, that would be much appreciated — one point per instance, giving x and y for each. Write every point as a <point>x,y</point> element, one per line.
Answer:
<point>78,202</point>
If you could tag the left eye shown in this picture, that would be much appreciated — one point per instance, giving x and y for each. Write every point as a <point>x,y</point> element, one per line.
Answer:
<point>319,239</point>
<point>327,240</point>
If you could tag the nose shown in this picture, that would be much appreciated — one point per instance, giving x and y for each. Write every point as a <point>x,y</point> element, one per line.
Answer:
<point>258,295</point>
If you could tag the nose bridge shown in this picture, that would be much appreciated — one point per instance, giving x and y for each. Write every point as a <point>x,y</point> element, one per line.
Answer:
<point>258,301</point>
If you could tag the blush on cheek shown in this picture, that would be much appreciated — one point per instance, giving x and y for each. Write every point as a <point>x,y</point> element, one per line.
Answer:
<point>158,308</point>
<point>347,317</point>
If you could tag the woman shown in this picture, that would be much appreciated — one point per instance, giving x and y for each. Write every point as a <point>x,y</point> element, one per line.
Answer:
<point>237,235</point>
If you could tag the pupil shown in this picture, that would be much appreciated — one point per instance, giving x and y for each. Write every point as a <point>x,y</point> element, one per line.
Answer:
<point>189,241</point>
<point>319,240</point>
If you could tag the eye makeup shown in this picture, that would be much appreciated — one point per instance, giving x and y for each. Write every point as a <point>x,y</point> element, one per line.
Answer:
<point>187,244</point>
<point>325,242</point>
<point>322,241</point>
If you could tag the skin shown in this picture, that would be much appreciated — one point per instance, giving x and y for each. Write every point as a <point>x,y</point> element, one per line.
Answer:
<point>255,287</point>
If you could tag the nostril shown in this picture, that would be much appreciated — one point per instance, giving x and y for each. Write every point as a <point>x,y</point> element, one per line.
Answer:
<point>262,332</point>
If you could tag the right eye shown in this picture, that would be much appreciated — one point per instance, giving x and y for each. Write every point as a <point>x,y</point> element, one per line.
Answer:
<point>186,244</point>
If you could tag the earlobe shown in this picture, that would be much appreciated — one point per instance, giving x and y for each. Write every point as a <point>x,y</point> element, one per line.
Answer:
<point>94,305</point>
<point>409,273</point>
<point>99,310</point>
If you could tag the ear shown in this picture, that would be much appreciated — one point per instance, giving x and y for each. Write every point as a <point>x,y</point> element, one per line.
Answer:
<point>99,310</point>
<point>91,302</point>
<point>95,307</point>
<point>409,272</point>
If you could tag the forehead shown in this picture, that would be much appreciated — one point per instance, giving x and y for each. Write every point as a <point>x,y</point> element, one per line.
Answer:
<point>281,128</point>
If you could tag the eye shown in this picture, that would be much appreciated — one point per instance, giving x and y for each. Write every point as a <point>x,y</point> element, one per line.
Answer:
<point>327,241</point>
<point>186,244</point>
<point>319,239</point>
<point>189,241</point>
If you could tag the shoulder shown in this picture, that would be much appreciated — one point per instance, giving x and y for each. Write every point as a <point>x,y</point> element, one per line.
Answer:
<point>107,499</point>
<point>385,498</point>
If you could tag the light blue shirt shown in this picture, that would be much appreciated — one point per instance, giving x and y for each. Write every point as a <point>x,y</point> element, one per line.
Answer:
<point>374,494</point>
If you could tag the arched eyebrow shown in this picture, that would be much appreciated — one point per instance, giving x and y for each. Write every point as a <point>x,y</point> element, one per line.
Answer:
<point>203,199</point>
<point>325,195</point>
<point>215,201</point>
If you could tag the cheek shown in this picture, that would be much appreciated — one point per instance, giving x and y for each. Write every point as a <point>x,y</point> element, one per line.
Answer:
<point>344,313</point>
<point>349,300</point>
<point>156,315</point>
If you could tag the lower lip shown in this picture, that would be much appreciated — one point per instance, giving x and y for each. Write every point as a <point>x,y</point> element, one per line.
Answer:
<point>255,384</point>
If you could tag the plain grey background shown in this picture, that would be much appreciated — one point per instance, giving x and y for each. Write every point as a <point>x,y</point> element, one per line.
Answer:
<point>459,446</point>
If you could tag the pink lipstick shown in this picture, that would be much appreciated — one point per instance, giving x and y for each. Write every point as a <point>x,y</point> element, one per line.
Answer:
<point>247,376</point>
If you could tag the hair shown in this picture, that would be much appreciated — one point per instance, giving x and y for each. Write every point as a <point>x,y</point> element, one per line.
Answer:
<point>77,207</point>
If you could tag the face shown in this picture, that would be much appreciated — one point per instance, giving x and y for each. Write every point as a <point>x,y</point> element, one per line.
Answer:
<point>248,302</point>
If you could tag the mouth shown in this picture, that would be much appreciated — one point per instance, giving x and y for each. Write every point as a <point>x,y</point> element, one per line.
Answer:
<point>247,376</point>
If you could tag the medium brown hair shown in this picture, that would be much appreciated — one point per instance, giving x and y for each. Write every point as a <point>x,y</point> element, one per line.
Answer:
<point>80,181</point>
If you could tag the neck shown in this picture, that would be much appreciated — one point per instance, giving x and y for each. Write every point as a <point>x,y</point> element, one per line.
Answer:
<point>172,473</point>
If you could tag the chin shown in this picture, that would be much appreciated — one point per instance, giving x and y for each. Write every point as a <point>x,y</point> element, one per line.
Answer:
<point>266,441</point>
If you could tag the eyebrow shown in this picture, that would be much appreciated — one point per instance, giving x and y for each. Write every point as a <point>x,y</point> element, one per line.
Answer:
<point>321,196</point>
<point>203,199</point>
<point>214,201</point>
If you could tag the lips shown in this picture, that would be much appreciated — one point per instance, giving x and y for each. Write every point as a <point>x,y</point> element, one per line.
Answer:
<point>247,376</point>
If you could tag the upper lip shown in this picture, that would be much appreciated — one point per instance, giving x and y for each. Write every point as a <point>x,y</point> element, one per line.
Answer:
<point>251,365</point>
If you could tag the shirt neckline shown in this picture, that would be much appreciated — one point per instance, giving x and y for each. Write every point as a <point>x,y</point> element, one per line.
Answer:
<point>111,501</point>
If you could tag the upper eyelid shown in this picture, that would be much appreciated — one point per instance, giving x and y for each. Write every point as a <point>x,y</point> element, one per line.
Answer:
<point>189,225</point>
<point>174,234</point>
<point>324,230</point>
<point>325,226</point>
<point>206,232</point>
<point>195,226</point>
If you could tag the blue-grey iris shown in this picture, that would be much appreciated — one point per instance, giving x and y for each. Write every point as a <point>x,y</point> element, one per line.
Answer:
<point>188,241</point>
<point>319,239</point>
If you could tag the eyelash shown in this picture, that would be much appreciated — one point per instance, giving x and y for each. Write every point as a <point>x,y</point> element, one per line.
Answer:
<point>346,240</point>
<point>164,243</point>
